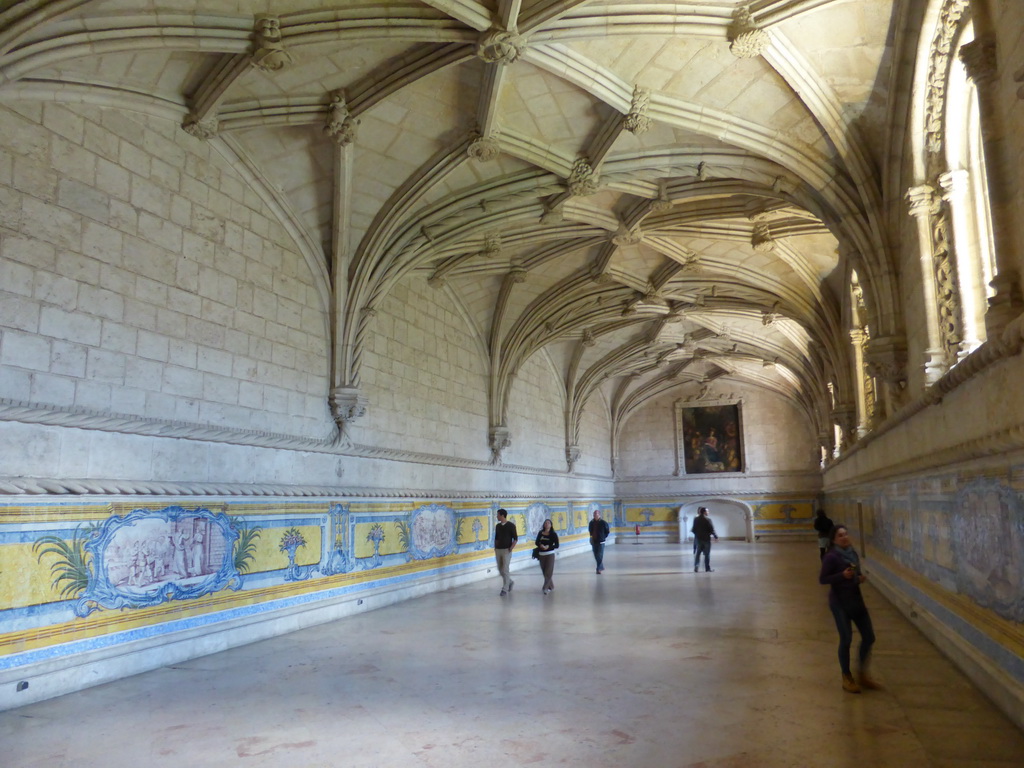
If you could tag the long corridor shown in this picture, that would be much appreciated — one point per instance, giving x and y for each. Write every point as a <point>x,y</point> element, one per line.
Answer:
<point>646,665</point>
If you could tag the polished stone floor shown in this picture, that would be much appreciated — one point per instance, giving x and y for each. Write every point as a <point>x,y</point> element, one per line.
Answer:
<point>648,665</point>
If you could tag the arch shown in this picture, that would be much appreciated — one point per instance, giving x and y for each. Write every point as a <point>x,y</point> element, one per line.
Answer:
<point>733,519</point>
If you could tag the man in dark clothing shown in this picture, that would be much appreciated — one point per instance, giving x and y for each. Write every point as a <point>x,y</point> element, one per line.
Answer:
<point>702,531</point>
<point>598,533</point>
<point>505,538</point>
<point>823,525</point>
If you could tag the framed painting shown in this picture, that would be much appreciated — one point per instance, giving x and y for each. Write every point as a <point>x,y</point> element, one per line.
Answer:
<point>712,439</point>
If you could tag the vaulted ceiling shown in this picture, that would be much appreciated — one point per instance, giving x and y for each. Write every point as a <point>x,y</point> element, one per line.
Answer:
<point>648,193</point>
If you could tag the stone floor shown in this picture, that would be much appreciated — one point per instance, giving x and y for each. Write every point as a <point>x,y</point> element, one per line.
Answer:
<point>646,665</point>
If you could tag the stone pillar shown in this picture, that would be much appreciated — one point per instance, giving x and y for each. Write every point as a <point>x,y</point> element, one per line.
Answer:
<point>966,241</point>
<point>924,204</point>
<point>857,338</point>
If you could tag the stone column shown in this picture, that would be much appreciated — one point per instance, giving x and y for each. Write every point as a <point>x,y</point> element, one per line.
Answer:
<point>924,204</point>
<point>967,242</point>
<point>857,338</point>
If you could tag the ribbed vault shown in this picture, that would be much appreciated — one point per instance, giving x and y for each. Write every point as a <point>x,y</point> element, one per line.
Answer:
<point>651,193</point>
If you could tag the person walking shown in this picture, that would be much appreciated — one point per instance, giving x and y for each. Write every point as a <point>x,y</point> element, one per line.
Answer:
<point>702,531</point>
<point>599,531</point>
<point>547,543</point>
<point>505,539</point>
<point>823,525</point>
<point>841,570</point>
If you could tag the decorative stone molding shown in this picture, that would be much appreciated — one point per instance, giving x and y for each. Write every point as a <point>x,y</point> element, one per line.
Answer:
<point>500,46</point>
<point>583,180</point>
<point>1018,77</point>
<point>702,171</point>
<point>269,54</point>
<point>746,39</point>
<point>761,238</point>
<point>347,405</point>
<point>204,129</point>
<point>770,317</point>
<point>340,126</point>
<point>946,286</point>
<point>79,418</point>
<point>589,339</point>
<point>572,456</point>
<point>636,120</point>
<point>484,148</point>
<point>499,438</point>
<point>938,66</point>
<point>517,274</point>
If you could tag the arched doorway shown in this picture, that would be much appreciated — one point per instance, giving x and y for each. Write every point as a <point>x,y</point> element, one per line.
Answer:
<point>732,519</point>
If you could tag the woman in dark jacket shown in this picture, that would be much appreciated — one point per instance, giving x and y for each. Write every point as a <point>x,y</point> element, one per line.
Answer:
<point>840,568</point>
<point>547,543</point>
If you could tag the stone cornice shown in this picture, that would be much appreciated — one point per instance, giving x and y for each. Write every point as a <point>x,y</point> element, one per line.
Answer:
<point>80,418</point>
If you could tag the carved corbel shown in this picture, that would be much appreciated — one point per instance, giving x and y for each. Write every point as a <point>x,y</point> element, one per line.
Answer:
<point>268,52</point>
<point>499,438</point>
<point>572,456</point>
<point>664,202</point>
<point>979,59</point>
<point>204,129</point>
<point>846,417</point>
<point>347,406</point>
<point>340,126</point>
<point>885,359</point>
<point>761,238</point>
<point>746,39</point>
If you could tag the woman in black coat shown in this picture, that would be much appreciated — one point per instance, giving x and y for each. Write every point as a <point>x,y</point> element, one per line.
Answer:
<point>547,543</point>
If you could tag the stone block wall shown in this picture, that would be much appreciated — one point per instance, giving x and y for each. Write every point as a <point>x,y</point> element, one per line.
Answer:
<point>140,276</point>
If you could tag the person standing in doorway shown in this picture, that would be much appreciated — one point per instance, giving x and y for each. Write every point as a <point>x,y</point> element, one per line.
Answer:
<point>702,531</point>
<point>547,543</point>
<point>599,531</point>
<point>841,570</point>
<point>823,526</point>
<point>505,539</point>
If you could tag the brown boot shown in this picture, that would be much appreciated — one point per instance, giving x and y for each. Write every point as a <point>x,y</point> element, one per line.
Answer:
<point>850,685</point>
<point>867,682</point>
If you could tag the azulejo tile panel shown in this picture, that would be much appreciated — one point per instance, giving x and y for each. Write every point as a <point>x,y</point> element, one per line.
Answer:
<point>80,576</point>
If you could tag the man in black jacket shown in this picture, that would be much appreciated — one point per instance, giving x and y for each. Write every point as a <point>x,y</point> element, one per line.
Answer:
<point>702,531</point>
<point>823,526</point>
<point>505,538</point>
<point>598,533</point>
